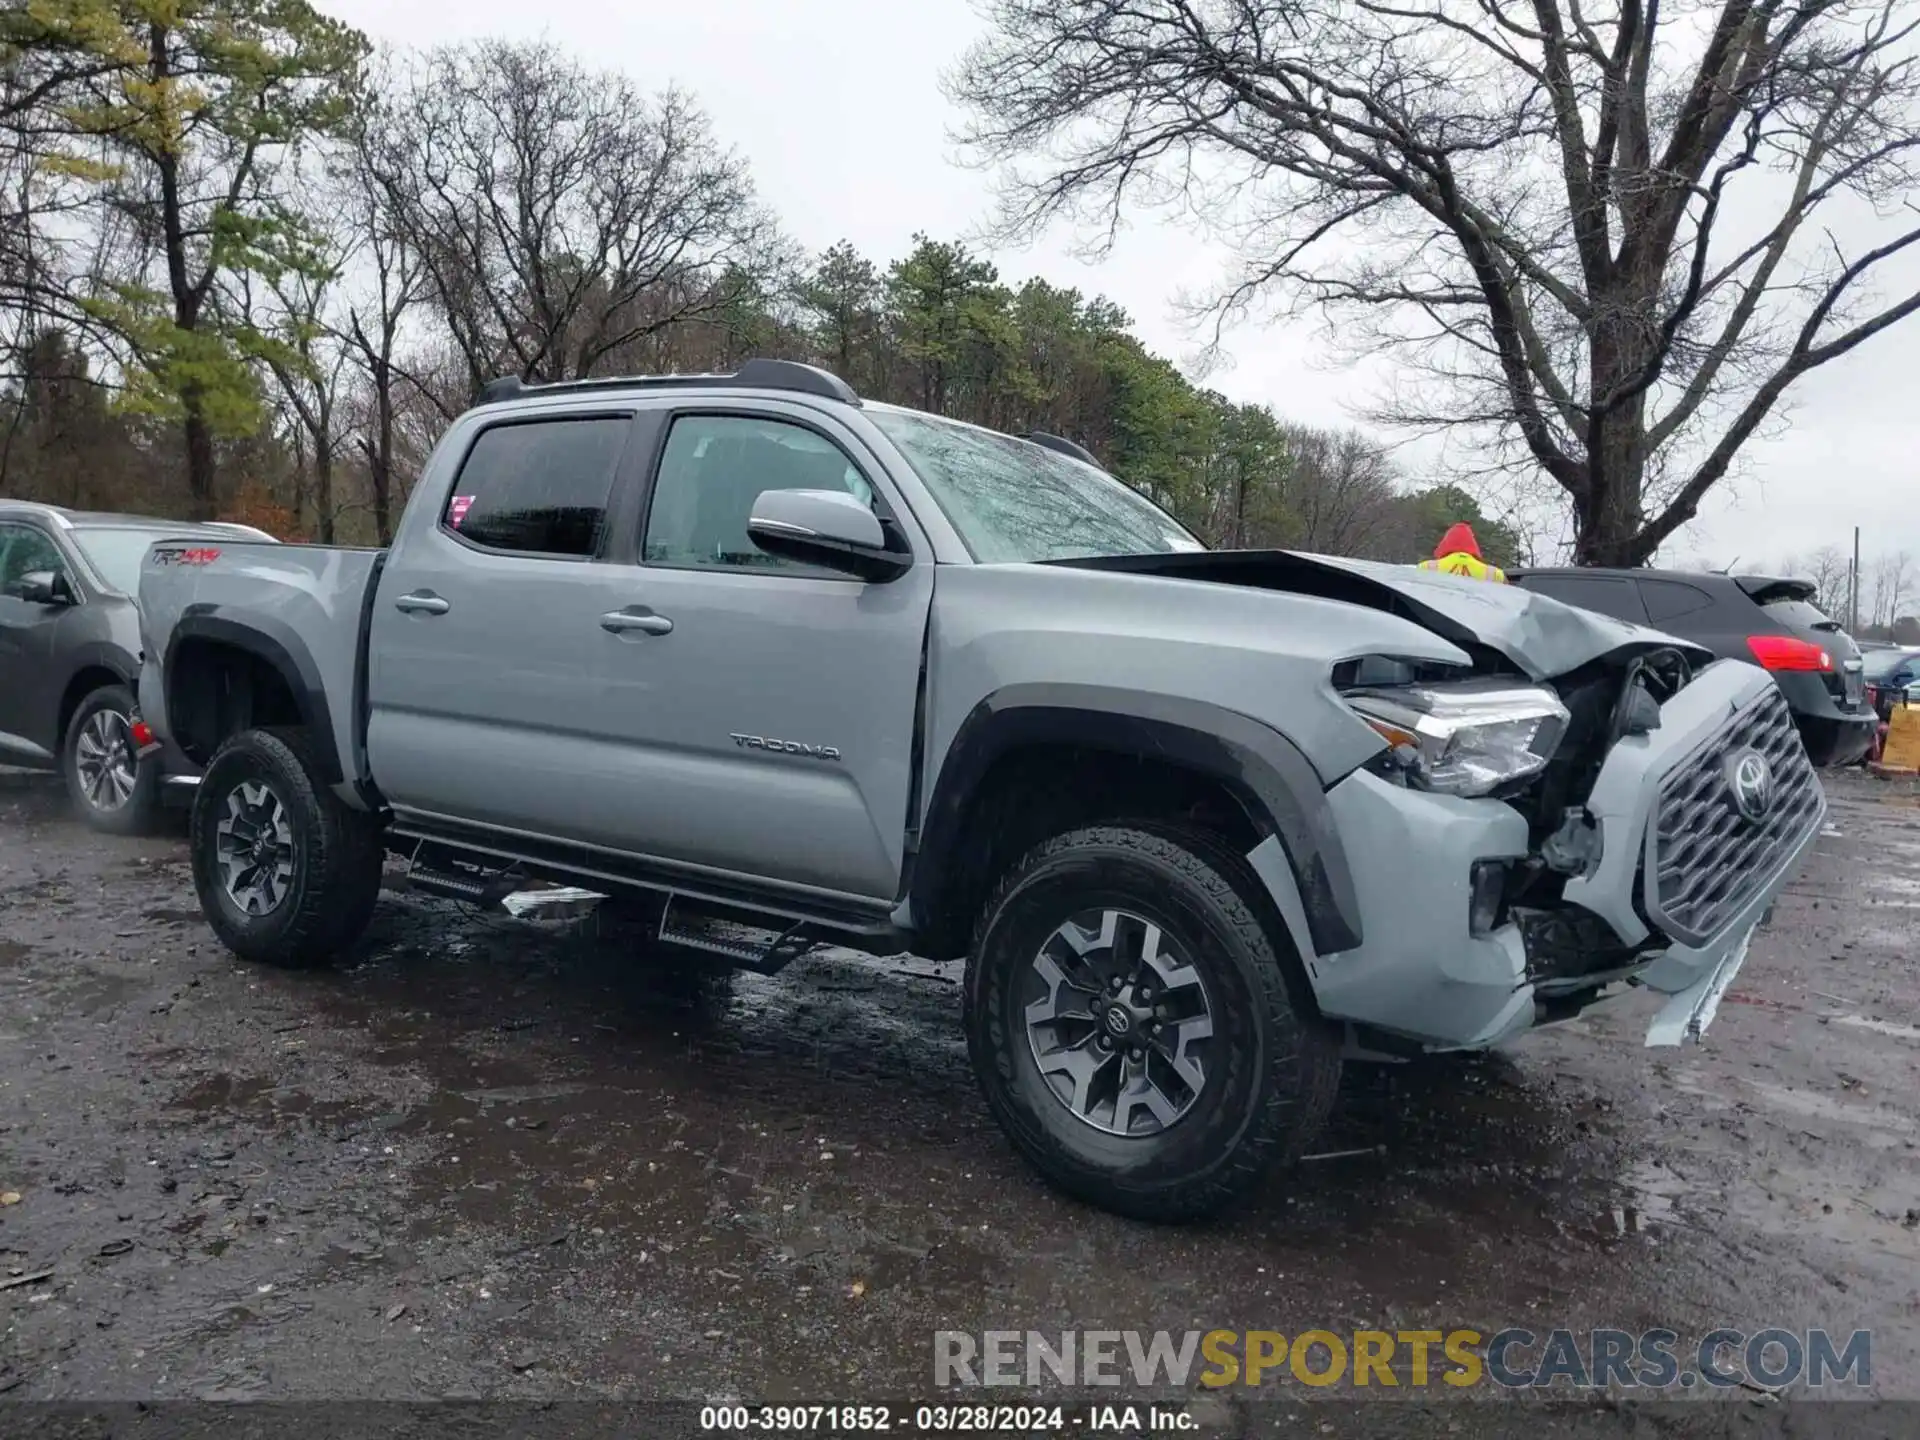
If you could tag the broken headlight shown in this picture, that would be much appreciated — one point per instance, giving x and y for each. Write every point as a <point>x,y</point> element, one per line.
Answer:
<point>1468,737</point>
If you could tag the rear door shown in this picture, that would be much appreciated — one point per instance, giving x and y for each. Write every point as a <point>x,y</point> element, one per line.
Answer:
<point>487,700</point>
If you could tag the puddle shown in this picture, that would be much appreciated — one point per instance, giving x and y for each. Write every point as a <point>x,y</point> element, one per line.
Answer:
<point>1651,1196</point>
<point>171,915</point>
<point>1879,1027</point>
<point>1821,1107</point>
<point>1883,889</point>
<point>259,1095</point>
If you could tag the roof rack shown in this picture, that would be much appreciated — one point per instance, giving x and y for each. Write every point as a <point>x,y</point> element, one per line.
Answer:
<point>752,375</point>
<point>1065,447</point>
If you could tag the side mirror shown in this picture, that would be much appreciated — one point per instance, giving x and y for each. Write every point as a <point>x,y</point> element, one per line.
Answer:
<point>43,587</point>
<point>825,527</point>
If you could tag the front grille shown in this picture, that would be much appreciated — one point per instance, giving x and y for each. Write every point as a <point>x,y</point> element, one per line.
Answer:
<point>1709,860</point>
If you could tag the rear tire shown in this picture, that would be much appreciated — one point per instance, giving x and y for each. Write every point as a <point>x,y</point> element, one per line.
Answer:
<point>287,873</point>
<point>113,790</point>
<point>1103,1103</point>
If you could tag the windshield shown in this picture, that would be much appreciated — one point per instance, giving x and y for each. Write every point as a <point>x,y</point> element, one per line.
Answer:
<point>1012,500</point>
<point>1877,664</point>
<point>116,552</point>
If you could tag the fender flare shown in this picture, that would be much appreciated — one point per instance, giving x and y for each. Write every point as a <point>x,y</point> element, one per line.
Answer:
<point>275,644</point>
<point>1266,773</point>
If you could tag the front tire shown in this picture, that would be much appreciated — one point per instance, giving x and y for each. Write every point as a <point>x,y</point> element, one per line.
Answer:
<point>1134,1027</point>
<point>112,789</point>
<point>287,874</point>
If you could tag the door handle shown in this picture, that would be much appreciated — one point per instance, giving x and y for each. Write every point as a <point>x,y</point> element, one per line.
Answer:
<point>635,617</point>
<point>423,601</point>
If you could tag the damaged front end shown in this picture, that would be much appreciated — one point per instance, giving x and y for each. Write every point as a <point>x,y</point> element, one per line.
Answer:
<point>1575,805</point>
<point>1632,857</point>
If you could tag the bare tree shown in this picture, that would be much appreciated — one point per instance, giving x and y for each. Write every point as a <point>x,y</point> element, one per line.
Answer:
<point>309,365</point>
<point>389,280</point>
<point>554,208</point>
<point>1596,236</point>
<point>1340,488</point>
<point>1830,570</point>
<point>1893,587</point>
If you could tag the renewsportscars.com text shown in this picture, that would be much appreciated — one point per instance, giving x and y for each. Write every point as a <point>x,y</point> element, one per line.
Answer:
<point>1512,1358</point>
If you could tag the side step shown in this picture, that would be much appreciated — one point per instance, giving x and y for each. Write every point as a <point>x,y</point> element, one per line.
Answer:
<point>737,936</point>
<point>454,880</point>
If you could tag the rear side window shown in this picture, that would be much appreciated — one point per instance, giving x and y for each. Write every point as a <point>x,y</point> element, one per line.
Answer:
<point>1800,615</point>
<point>1670,599</point>
<point>541,487</point>
<point>1610,595</point>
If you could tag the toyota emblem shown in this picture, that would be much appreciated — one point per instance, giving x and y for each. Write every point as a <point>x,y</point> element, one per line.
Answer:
<point>1750,780</point>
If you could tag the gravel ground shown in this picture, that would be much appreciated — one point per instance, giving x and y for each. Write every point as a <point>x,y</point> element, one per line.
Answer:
<point>491,1159</point>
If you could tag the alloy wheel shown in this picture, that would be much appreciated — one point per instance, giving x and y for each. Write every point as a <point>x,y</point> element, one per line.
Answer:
<point>1118,1021</point>
<point>104,760</point>
<point>253,842</point>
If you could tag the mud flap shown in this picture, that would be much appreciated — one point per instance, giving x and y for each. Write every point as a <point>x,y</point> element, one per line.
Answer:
<point>1687,1014</point>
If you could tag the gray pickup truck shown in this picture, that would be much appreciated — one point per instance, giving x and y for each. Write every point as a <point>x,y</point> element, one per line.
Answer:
<point>781,669</point>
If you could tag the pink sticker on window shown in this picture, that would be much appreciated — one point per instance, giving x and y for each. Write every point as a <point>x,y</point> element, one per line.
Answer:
<point>457,509</point>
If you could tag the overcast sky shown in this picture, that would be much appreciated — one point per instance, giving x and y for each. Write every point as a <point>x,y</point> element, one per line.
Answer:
<point>837,106</point>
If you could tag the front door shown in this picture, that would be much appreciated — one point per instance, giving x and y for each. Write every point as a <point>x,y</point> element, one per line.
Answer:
<point>27,711</point>
<point>773,724</point>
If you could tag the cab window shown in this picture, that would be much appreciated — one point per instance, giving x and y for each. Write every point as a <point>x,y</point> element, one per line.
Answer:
<point>538,487</point>
<point>712,470</point>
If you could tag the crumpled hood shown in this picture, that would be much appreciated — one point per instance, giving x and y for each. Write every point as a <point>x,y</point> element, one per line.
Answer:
<point>1540,635</point>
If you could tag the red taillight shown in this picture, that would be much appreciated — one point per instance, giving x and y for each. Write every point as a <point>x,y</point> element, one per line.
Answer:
<point>142,734</point>
<point>1783,652</point>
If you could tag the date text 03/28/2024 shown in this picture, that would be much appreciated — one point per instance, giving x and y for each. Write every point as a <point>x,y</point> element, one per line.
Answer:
<point>962,1418</point>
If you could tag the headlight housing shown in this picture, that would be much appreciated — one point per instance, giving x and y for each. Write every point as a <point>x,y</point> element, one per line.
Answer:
<point>1469,737</point>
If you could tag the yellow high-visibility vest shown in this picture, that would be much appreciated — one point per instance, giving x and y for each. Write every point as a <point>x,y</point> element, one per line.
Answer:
<point>1461,563</point>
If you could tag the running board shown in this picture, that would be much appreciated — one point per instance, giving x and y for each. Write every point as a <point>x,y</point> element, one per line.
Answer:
<point>738,937</point>
<point>475,887</point>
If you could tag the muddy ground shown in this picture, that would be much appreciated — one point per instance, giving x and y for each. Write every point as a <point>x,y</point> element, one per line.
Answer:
<point>490,1159</point>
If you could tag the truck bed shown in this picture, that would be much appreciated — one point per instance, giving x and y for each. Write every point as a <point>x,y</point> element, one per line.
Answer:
<point>310,600</point>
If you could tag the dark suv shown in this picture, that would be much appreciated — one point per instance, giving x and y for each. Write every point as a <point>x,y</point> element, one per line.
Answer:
<point>1758,618</point>
<point>70,653</point>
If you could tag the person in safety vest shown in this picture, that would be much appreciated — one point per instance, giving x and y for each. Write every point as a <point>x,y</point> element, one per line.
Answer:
<point>1458,553</point>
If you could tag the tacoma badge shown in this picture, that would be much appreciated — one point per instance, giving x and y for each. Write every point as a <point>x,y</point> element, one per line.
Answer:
<point>786,747</point>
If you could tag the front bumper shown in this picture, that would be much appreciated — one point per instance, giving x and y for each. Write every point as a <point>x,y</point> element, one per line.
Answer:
<point>1423,975</point>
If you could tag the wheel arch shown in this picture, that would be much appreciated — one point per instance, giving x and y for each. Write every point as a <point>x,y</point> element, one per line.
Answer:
<point>1095,742</point>
<point>224,675</point>
<point>94,666</point>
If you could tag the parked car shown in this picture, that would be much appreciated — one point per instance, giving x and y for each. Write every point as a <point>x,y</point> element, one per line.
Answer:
<point>779,668</point>
<point>1762,619</point>
<point>70,653</point>
<point>1890,674</point>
